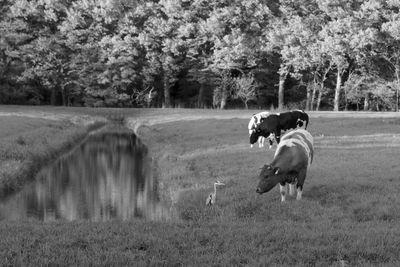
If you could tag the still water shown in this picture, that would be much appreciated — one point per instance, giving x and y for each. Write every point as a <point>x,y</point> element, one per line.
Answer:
<point>107,177</point>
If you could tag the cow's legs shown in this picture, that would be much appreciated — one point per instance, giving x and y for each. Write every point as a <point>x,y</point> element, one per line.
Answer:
<point>299,192</point>
<point>261,141</point>
<point>291,189</point>
<point>300,182</point>
<point>282,190</point>
<point>270,139</point>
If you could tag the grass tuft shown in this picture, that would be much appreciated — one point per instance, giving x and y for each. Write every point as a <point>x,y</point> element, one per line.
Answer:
<point>248,209</point>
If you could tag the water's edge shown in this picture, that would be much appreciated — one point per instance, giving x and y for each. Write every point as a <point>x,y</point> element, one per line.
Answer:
<point>111,176</point>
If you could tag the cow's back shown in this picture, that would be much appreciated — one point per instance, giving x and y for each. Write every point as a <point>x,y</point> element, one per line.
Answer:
<point>269,123</point>
<point>298,140</point>
<point>286,120</point>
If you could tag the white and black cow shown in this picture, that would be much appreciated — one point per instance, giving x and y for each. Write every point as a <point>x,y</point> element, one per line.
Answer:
<point>289,166</point>
<point>254,122</point>
<point>275,123</point>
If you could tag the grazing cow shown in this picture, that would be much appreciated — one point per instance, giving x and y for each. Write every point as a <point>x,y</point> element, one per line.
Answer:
<point>293,156</point>
<point>274,123</point>
<point>254,122</point>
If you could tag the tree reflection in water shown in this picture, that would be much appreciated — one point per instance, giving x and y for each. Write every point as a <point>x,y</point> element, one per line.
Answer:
<point>107,177</point>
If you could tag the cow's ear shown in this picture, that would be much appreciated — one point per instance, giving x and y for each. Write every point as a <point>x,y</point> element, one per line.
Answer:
<point>277,171</point>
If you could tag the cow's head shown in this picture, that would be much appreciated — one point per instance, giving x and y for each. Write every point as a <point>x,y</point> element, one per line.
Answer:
<point>255,135</point>
<point>268,178</point>
<point>299,123</point>
<point>303,119</point>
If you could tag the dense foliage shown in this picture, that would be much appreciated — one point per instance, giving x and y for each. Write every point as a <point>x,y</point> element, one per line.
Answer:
<point>313,54</point>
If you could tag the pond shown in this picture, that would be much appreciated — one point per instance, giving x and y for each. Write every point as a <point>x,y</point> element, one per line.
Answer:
<point>109,176</point>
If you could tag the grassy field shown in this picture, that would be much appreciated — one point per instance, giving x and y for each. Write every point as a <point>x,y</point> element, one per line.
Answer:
<point>349,215</point>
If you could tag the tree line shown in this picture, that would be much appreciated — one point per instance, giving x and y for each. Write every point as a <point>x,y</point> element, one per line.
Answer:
<point>311,54</point>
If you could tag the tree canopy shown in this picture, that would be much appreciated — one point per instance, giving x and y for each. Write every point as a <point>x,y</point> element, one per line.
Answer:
<point>312,54</point>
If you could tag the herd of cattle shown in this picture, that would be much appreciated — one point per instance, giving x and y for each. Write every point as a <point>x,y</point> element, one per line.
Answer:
<point>294,152</point>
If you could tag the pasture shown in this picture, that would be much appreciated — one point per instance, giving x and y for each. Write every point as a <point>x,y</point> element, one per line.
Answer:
<point>349,214</point>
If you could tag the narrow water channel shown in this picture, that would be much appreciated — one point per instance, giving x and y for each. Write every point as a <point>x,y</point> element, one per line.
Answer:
<point>107,177</point>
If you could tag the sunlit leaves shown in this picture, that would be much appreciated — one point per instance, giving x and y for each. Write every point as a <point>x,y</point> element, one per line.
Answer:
<point>121,47</point>
<point>245,88</point>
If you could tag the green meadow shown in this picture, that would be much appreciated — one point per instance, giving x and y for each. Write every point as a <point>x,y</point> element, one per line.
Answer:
<point>349,214</point>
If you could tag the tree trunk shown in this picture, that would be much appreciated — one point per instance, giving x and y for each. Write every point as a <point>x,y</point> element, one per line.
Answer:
<point>314,93</point>
<point>366,102</point>
<point>308,98</point>
<point>216,103</point>
<point>337,90</point>
<point>200,99</point>
<point>224,98</point>
<point>319,98</point>
<point>321,90</point>
<point>281,89</point>
<point>167,93</point>
<point>64,97</point>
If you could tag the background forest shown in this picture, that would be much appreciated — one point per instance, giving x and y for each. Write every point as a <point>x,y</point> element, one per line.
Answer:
<point>311,54</point>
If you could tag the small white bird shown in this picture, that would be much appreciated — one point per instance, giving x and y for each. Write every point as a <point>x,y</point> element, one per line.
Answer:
<point>212,196</point>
